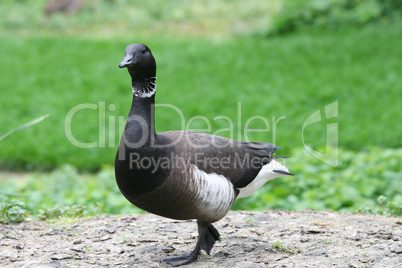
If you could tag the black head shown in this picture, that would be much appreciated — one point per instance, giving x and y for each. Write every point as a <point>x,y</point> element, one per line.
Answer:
<point>139,61</point>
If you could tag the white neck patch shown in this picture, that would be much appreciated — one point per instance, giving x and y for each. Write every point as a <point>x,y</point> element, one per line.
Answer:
<point>150,89</point>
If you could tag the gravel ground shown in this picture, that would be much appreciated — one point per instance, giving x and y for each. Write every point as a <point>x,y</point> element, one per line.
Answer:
<point>249,239</point>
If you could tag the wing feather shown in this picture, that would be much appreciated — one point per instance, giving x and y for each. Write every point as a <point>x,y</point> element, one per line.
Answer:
<point>238,161</point>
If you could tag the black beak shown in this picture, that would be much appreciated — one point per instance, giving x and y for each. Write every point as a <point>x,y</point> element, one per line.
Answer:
<point>126,61</point>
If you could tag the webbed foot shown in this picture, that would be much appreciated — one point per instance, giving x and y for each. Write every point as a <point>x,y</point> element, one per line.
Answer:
<point>181,260</point>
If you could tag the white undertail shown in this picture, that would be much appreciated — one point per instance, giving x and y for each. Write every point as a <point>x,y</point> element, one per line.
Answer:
<point>266,174</point>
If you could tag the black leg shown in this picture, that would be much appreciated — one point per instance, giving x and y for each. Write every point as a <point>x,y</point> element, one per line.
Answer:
<point>192,256</point>
<point>210,238</point>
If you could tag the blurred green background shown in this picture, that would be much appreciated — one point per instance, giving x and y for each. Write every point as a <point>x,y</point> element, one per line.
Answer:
<point>276,59</point>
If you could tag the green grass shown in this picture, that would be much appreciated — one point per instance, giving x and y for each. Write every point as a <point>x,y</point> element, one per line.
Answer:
<point>291,76</point>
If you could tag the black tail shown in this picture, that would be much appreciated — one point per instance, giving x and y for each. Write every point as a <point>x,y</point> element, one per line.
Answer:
<point>211,236</point>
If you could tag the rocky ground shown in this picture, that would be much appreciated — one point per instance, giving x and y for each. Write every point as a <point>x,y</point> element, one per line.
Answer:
<point>249,239</point>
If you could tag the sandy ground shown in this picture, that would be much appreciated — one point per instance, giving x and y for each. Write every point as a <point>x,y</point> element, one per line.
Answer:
<point>249,239</point>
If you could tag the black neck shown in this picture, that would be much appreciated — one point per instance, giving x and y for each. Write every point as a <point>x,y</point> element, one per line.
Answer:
<point>137,167</point>
<point>140,126</point>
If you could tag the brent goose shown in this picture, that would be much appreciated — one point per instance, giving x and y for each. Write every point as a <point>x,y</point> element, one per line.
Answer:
<point>182,174</point>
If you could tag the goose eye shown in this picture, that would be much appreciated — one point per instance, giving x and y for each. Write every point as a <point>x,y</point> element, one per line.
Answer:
<point>143,51</point>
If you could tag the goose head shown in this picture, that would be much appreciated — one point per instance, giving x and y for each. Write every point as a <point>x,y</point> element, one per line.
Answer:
<point>139,61</point>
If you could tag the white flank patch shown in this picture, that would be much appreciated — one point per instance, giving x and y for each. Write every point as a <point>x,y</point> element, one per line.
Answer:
<point>215,194</point>
<point>266,174</point>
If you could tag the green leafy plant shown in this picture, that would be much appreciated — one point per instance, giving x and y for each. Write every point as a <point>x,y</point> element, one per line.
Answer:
<point>62,211</point>
<point>98,192</point>
<point>384,208</point>
<point>100,208</point>
<point>357,182</point>
<point>278,246</point>
<point>296,14</point>
<point>13,211</point>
